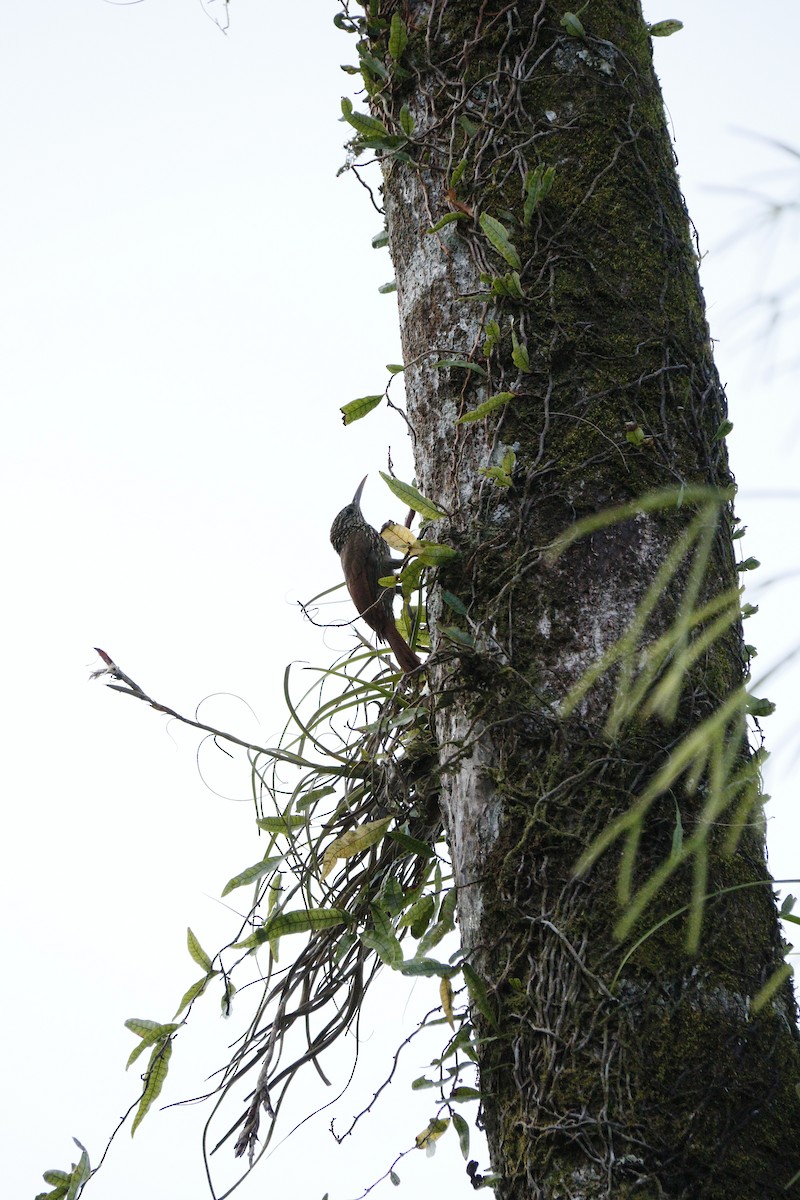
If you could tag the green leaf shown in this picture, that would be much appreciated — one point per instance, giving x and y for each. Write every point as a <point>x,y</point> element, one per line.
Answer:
<point>313,796</point>
<point>354,410</point>
<point>373,65</point>
<point>398,36</point>
<point>453,602</point>
<point>386,288</point>
<point>759,707</point>
<point>80,1173</point>
<point>409,495</point>
<point>462,1129</point>
<point>446,363</point>
<point>458,174</point>
<point>382,938</point>
<point>361,122</point>
<point>428,967</point>
<point>300,920</point>
<point>723,429</point>
<point>434,554</point>
<point>395,1178</point>
<point>194,991</point>
<point>505,285</point>
<point>488,406</point>
<point>380,240</point>
<point>460,636</point>
<point>197,952</point>
<point>156,1034</point>
<point>407,122</point>
<point>462,1095</point>
<point>419,915</point>
<point>252,874</point>
<point>421,1083</point>
<point>497,234</point>
<point>141,1026</point>
<point>665,28</point>
<point>478,993</point>
<point>749,564</point>
<point>573,25</point>
<point>281,824</point>
<point>775,981</point>
<point>519,354</point>
<point>492,337</point>
<point>538,183</point>
<point>154,1081</point>
<point>677,835</point>
<point>447,219</point>
<point>411,844</point>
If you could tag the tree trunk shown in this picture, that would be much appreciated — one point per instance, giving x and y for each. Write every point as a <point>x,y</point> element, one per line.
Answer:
<point>633,1068</point>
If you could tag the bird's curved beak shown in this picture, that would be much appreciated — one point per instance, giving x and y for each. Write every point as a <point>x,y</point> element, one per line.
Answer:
<point>359,490</point>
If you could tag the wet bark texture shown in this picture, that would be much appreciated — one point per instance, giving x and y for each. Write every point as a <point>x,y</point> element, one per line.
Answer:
<point>647,1075</point>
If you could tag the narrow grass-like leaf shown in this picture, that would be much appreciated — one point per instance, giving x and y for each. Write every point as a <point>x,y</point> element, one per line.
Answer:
<point>773,984</point>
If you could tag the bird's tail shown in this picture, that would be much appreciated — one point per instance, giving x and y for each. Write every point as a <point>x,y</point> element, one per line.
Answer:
<point>405,656</point>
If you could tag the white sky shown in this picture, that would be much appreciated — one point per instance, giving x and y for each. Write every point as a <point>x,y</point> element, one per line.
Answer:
<point>189,295</point>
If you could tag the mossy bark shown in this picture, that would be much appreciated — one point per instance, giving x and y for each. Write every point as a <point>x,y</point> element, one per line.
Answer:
<point>620,1069</point>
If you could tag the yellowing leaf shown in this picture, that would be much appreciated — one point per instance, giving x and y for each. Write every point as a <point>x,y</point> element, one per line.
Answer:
<point>353,842</point>
<point>446,997</point>
<point>400,537</point>
<point>431,1133</point>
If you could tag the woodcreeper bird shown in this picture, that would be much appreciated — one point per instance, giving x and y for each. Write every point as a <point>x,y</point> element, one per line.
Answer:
<point>366,559</point>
